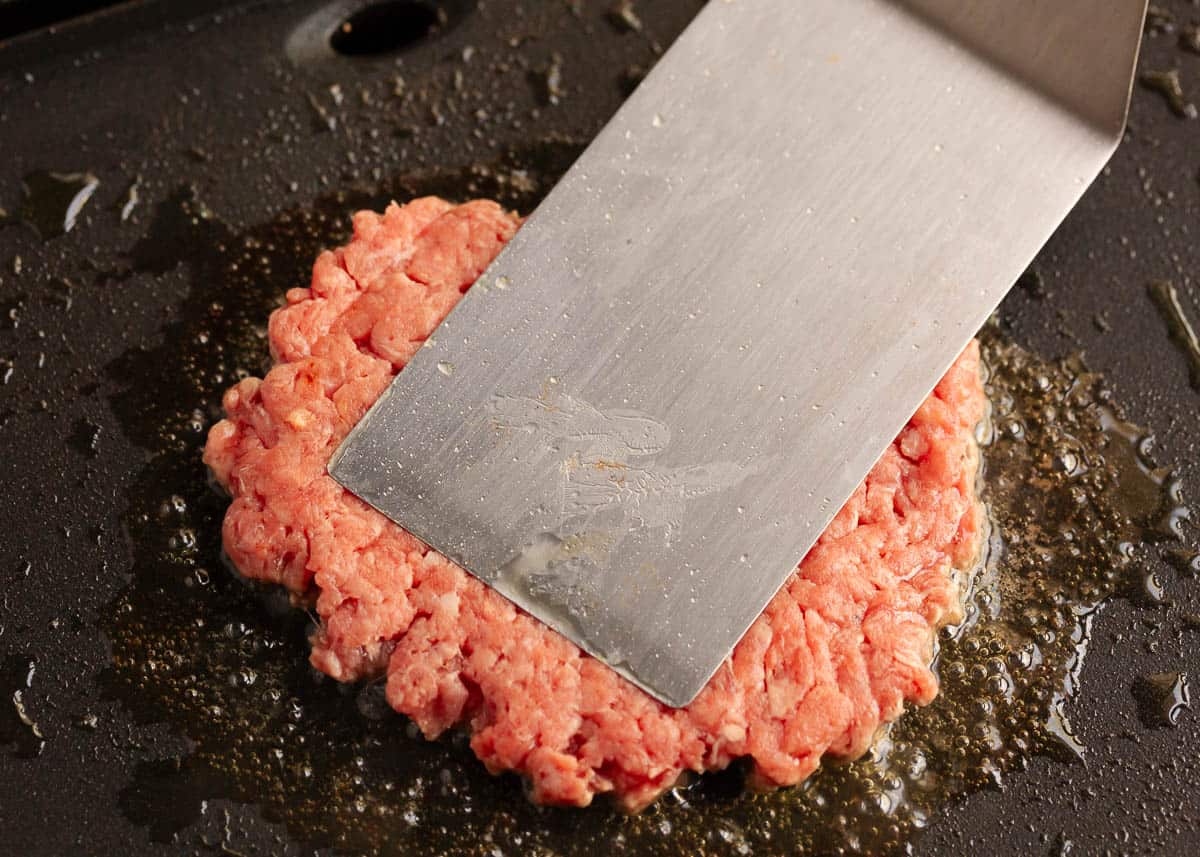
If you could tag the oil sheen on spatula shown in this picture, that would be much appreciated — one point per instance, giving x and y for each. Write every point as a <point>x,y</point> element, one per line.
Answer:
<point>650,406</point>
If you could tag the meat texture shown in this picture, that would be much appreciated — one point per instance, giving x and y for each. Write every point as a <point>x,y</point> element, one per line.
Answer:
<point>835,655</point>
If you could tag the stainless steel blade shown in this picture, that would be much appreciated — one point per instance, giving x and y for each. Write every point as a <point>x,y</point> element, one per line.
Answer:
<point>647,410</point>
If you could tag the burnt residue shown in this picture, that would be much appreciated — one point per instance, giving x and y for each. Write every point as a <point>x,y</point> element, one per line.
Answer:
<point>1076,502</point>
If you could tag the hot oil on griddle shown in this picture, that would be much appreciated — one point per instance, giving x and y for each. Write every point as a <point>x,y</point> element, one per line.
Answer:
<point>53,201</point>
<point>1069,485</point>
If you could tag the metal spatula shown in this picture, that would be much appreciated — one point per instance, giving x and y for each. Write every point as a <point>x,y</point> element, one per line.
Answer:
<point>646,411</point>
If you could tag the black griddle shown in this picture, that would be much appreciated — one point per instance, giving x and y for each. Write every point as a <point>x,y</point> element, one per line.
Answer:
<point>229,125</point>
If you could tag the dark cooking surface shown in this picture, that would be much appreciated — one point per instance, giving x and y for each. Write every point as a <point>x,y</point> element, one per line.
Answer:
<point>213,112</point>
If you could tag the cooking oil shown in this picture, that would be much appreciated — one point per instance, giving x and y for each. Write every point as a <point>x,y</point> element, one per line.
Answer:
<point>53,201</point>
<point>1164,697</point>
<point>1076,506</point>
<point>1180,325</point>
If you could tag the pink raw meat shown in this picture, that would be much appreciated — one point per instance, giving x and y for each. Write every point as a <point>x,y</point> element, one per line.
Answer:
<point>836,654</point>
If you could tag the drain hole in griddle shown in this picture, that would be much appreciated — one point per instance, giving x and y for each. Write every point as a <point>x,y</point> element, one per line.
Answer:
<point>383,28</point>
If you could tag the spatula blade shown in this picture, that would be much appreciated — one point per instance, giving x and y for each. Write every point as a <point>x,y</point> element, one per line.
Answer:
<point>651,405</point>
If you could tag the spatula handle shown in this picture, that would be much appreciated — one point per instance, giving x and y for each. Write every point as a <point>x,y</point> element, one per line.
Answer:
<point>1081,53</point>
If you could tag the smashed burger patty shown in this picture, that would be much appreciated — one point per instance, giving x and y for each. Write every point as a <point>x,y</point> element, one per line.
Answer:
<point>836,654</point>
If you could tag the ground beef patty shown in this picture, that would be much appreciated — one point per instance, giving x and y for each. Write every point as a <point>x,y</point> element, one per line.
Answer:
<point>836,653</point>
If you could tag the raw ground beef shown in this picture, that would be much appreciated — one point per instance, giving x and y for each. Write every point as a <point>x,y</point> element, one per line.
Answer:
<point>835,655</point>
